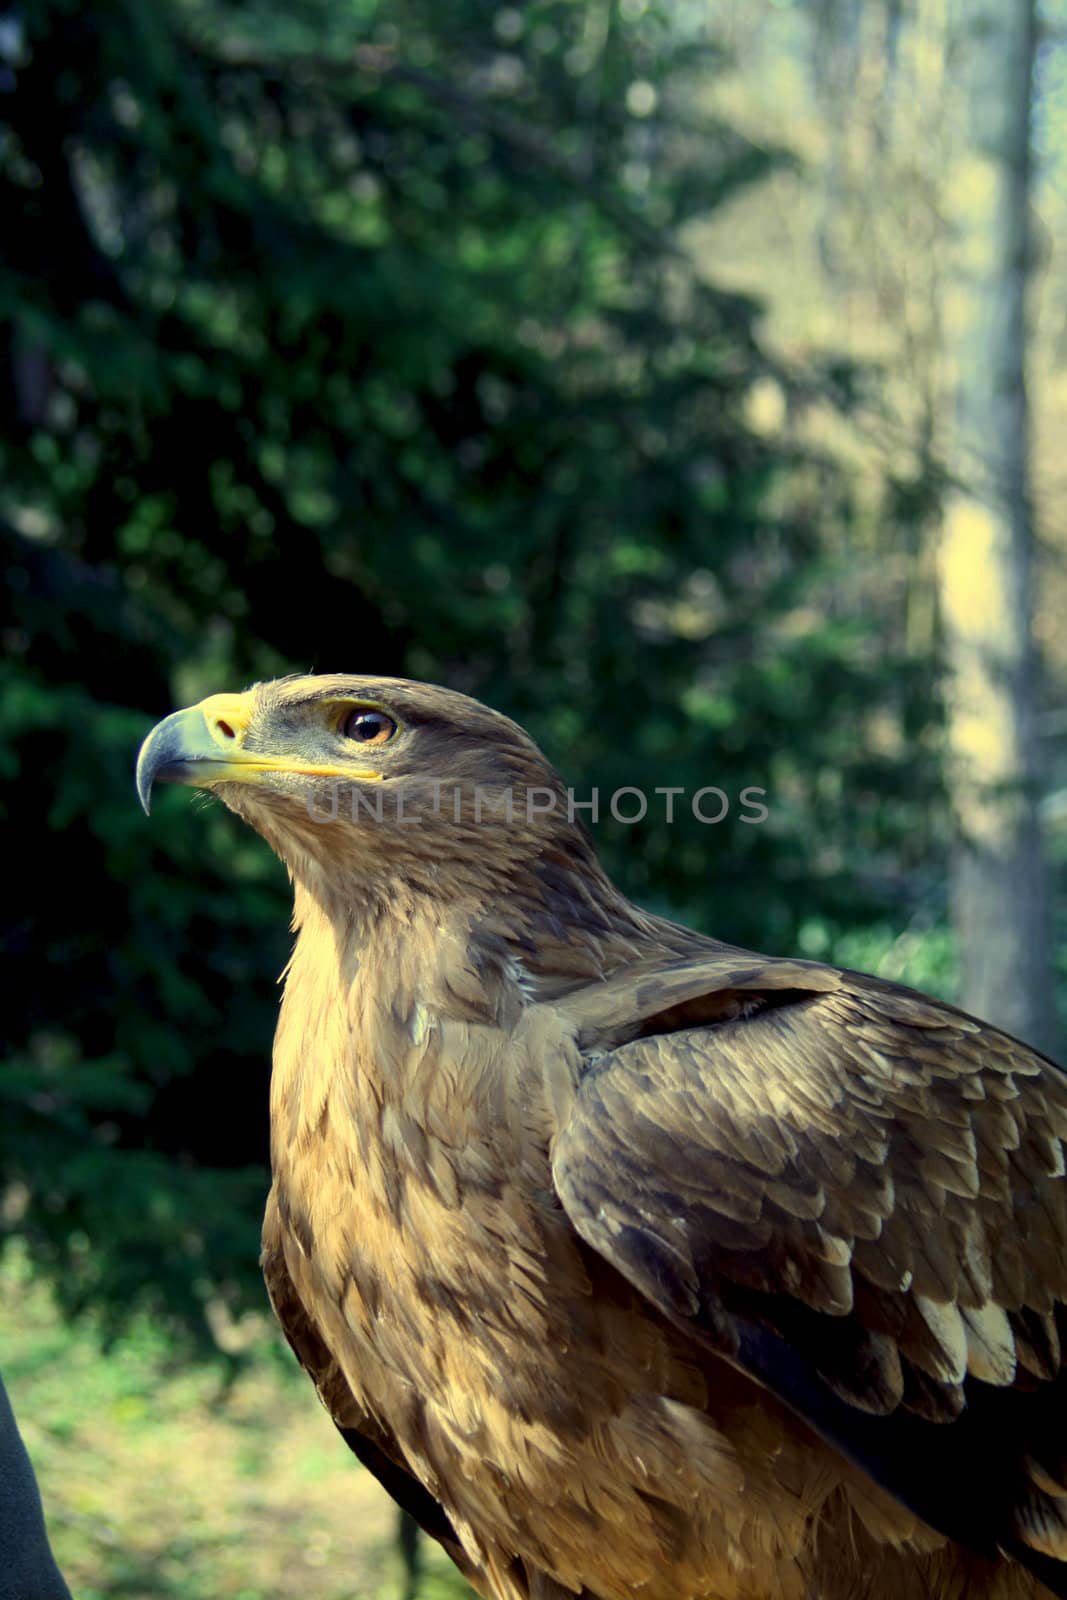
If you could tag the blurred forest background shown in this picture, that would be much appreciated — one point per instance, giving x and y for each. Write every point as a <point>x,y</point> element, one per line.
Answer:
<point>651,369</point>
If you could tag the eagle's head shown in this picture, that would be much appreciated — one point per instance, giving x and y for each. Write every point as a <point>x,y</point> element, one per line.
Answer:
<point>375,779</point>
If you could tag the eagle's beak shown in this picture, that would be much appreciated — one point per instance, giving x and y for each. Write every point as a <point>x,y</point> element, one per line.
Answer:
<point>201,745</point>
<point>205,745</point>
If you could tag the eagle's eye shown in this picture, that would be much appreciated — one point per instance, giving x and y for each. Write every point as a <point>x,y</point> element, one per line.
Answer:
<point>368,727</point>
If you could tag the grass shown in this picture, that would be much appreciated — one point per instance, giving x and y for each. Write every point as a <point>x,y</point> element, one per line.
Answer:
<point>164,1481</point>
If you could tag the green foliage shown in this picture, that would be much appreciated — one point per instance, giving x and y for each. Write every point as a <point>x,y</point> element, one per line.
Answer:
<point>358,336</point>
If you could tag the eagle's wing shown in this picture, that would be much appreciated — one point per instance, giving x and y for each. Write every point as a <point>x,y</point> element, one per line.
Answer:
<point>374,1446</point>
<point>857,1195</point>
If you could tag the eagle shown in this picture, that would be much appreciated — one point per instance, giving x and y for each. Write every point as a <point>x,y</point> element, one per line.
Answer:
<point>633,1263</point>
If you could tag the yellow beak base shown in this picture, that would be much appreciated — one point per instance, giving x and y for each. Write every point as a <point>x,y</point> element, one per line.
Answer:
<point>205,745</point>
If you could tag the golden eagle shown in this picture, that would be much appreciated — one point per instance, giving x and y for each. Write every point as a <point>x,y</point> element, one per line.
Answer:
<point>633,1263</point>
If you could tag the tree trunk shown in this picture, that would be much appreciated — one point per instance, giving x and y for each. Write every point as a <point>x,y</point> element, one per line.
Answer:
<point>998,878</point>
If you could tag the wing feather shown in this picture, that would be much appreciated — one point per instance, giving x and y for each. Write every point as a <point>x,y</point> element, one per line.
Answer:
<point>858,1195</point>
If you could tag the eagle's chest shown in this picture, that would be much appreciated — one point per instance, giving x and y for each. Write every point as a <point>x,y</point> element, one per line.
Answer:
<point>422,1225</point>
